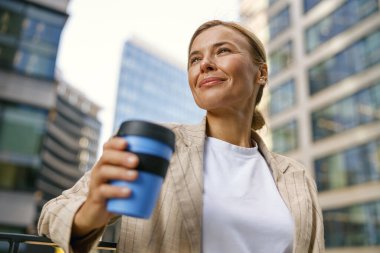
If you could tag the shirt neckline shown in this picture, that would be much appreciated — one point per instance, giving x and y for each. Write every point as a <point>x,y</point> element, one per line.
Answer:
<point>226,146</point>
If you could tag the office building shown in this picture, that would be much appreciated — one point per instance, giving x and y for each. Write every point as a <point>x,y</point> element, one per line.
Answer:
<point>29,38</point>
<point>153,88</point>
<point>324,105</point>
<point>48,131</point>
<point>70,144</point>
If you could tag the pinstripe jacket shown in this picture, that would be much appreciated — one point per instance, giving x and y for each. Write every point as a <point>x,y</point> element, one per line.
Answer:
<point>175,225</point>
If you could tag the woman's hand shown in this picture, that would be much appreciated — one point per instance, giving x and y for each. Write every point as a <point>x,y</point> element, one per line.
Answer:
<point>114,164</point>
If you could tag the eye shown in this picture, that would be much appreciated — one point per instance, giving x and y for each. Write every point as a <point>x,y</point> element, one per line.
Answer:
<point>223,50</point>
<point>194,60</point>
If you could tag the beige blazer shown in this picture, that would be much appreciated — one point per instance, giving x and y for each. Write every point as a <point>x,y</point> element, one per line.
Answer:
<point>175,225</point>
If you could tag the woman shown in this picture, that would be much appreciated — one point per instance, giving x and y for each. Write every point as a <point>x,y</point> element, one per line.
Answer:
<point>224,191</point>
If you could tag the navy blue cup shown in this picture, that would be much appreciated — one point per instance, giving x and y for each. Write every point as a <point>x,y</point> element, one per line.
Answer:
<point>154,146</point>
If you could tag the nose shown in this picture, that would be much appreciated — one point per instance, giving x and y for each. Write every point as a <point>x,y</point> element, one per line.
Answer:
<point>207,65</point>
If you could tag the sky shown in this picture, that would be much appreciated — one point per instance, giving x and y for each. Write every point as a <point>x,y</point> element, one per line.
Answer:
<point>92,41</point>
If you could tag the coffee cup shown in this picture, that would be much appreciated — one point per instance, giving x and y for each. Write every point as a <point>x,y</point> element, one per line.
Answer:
<point>154,146</point>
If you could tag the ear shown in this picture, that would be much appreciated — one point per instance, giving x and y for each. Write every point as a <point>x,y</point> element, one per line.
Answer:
<point>262,74</point>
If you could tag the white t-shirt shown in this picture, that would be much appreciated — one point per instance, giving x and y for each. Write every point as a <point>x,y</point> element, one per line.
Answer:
<point>243,210</point>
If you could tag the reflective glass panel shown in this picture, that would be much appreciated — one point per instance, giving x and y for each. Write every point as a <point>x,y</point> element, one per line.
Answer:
<point>282,97</point>
<point>285,137</point>
<point>21,132</point>
<point>358,109</point>
<point>280,59</point>
<point>29,38</point>
<point>346,16</point>
<point>17,177</point>
<point>358,57</point>
<point>357,225</point>
<point>351,166</point>
<point>279,23</point>
<point>309,4</point>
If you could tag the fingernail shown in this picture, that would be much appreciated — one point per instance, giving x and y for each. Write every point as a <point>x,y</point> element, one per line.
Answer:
<point>131,159</point>
<point>131,173</point>
<point>125,190</point>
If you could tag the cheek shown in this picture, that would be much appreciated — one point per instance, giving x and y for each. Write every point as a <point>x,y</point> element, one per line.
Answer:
<point>192,79</point>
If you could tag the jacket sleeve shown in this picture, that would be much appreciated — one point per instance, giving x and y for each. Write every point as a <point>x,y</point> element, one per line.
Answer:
<point>317,242</point>
<point>57,217</point>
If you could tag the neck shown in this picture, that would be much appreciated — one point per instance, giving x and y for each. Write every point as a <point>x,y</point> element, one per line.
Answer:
<point>233,128</point>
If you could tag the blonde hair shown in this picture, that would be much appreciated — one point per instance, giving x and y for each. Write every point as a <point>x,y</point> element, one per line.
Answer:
<point>257,53</point>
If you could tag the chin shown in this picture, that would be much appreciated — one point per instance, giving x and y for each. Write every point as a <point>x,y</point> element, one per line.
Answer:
<point>209,106</point>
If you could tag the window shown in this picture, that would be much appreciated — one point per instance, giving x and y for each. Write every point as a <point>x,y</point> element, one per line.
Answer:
<point>29,38</point>
<point>10,19</point>
<point>282,97</point>
<point>36,31</point>
<point>349,167</point>
<point>360,108</point>
<point>35,63</point>
<point>17,177</point>
<point>309,4</point>
<point>279,22</point>
<point>7,54</point>
<point>357,225</point>
<point>285,138</point>
<point>21,132</point>
<point>346,16</point>
<point>280,59</point>
<point>358,57</point>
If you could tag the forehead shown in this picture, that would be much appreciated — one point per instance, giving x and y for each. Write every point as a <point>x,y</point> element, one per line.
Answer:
<point>219,34</point>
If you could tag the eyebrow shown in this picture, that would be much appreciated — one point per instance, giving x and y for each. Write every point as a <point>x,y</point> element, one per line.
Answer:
<point>213,46</point>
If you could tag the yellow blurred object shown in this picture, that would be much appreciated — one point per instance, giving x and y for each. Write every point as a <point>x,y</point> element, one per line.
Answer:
<point>58,250</point>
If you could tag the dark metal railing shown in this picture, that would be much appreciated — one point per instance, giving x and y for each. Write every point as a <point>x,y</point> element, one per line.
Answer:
<point>15,240</point>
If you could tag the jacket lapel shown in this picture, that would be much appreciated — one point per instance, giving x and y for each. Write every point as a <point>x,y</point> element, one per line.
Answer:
<point>291,182</point>
<point>187,175</point>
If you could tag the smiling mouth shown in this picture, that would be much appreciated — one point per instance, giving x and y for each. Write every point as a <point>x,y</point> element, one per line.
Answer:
<point>210,81</point>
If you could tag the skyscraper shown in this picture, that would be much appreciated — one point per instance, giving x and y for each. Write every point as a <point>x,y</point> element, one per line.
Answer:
<point>324,105</point>
<point>29,38</point>
<point>49,131</point>
<point>153,87</point>
<point>70,143</point>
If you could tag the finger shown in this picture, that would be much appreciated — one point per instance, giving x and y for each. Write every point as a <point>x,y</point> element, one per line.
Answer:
<point>109,172</point>
<point>115,143</point>
<point>119,158</point>
<point>107,191</point>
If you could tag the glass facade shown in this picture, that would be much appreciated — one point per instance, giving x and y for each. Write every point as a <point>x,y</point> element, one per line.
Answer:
<point>29,38</point>
<point>17,177</point>
<point>280,59</point>
<point>346,16</point>
<point>282,97</point>
<point>358,57</point>
<point>28,124</point>
<point>357,225</point>
<point>309,4</point>
<point>272,1</point>
<point>285,137</point>
<point>360,108</point>
<point>21,132</point>
<point>349,167</point>
<point>279,23</point>
<point>152,89</point>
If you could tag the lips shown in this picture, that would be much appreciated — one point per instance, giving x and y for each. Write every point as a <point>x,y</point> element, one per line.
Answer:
<point>210,81</point>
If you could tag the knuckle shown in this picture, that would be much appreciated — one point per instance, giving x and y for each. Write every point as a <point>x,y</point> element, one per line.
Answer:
<point>105,157</point>
<point>105,145</point>
<point>102,188</point>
